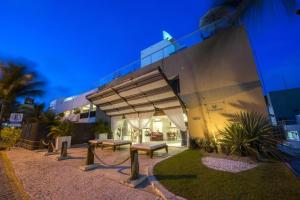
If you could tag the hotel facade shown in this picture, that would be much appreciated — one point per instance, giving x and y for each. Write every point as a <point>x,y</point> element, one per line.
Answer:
<point>181,91</point>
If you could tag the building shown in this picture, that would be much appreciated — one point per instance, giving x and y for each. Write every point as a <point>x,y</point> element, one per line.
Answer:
<point>75,108</point>
<point>284,105</point>
<point>79,109</point>
<point>190,93</point>
<point>160,50</point>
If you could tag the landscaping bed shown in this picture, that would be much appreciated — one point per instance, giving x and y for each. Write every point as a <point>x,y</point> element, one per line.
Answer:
<point>185,175</point>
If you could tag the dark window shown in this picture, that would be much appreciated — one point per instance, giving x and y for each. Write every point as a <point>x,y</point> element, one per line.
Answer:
<point>84,115</point>
<point>175,84</point>
<point>92,113</point>
<point>298,12</point>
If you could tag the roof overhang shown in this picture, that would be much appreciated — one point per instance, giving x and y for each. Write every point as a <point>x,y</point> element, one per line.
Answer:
<point>137,93</point>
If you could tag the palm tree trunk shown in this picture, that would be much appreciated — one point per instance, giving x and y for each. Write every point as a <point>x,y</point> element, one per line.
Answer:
<point>2,112</point>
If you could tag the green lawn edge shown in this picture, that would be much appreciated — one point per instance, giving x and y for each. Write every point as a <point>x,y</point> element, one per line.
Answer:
<point>186,176</point>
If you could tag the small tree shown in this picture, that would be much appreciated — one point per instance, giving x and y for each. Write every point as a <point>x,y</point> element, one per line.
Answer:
<point>61,128</point>
<point>101,127</point>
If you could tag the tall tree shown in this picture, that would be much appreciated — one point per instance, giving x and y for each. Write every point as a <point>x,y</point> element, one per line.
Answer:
<point>33,113</point>
<point>16,82</point>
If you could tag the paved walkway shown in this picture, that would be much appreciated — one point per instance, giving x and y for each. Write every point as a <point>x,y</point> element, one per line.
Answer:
<point>44,177</point>
<point>6,189</point>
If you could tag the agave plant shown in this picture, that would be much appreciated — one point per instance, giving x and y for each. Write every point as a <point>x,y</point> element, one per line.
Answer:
<point>248,132</point>
<point>233,137</point>
<point>253,123</point>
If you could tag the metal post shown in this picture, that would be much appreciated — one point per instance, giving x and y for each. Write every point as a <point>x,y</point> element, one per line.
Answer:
<point>50,148</point>
<point>134,165</point>
<point>90,154</point>
<point>64,152</point>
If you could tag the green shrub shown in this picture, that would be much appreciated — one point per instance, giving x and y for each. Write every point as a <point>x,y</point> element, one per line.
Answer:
<point>193,143</point>
<point>101,127</point>
<point>234,139</point>
<point>10,136</point>
<point>61,128</point>
<point>246,134</point>
<point>207,144</point>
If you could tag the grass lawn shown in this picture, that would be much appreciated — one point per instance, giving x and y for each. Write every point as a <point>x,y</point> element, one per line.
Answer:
<point>185,175</point>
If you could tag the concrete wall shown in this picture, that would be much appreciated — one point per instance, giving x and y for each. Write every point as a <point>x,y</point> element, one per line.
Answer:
<point>217,78</point>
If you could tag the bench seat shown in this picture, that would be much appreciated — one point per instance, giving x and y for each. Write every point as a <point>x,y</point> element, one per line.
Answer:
<point>150,147</point>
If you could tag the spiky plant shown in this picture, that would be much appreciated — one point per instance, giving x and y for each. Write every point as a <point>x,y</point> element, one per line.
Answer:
<point>255,125</point>
<point>234,138</point>
<point>254,131</point>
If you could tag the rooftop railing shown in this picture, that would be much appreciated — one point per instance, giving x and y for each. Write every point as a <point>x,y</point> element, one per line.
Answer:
<point>180,44</point>
<point>186,41</point>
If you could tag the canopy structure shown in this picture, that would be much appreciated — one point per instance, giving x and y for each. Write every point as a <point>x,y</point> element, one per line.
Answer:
<point>144,91</point>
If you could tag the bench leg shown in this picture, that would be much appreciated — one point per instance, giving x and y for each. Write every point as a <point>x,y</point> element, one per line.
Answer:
<point>114,148</point>
<point>151,154</point>
<point>167,149</point>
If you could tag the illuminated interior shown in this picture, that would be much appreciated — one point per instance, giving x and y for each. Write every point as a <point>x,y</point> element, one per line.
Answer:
<point>159,129</point>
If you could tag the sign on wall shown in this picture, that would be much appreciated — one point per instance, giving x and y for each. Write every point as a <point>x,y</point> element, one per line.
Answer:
<point>16,117</point>
<point>215,107</point>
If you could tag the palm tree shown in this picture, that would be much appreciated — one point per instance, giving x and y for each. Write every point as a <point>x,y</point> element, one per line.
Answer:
<point>16,82</point>
<point>232,10</point>
<point>34,113</point>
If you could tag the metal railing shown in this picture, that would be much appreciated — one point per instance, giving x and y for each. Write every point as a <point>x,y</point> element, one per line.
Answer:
<point>187,41</point>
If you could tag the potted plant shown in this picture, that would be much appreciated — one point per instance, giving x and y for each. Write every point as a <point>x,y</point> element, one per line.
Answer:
<point>101,130</point>
<point>62,132</point>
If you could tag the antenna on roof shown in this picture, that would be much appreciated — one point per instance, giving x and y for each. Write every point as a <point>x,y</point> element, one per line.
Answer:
<point>167,36</point>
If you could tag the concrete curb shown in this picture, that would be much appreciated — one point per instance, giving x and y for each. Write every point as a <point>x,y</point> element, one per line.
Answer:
<point>158,188</point>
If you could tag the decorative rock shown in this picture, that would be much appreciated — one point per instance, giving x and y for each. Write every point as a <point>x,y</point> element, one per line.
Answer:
<point>222,164</point>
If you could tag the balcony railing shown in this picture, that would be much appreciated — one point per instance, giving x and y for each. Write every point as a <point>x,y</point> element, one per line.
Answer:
<point>182,43</point>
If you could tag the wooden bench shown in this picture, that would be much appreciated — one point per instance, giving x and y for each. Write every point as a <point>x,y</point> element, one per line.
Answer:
<point>149,147</point>
<point>115,143</point>
<point>110,143</point>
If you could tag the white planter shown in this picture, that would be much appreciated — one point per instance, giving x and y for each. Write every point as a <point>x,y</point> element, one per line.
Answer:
<point>60,140</point>
<point>102,136</point>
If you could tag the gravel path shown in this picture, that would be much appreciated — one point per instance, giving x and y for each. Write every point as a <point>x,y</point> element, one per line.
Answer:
<point>227,165</point>
<point>45,178</point>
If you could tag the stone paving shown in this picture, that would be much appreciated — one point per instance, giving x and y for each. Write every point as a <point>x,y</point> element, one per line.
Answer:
<point>44,177</point>
<point>6,190</point>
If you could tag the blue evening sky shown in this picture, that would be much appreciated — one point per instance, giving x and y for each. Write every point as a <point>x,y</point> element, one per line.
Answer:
<point>74,43</point>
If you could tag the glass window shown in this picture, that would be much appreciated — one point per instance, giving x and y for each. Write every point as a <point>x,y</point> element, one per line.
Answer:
<point>158,126</point>
<point>85,108</point>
